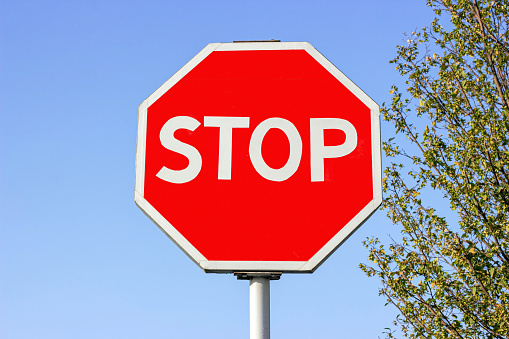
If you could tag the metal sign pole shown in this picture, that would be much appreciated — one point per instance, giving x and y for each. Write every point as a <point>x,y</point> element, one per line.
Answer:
<point>259,308</point>
<point>259,302</point>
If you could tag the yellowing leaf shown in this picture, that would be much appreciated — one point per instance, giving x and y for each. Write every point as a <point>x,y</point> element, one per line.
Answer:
<point>391,91</point>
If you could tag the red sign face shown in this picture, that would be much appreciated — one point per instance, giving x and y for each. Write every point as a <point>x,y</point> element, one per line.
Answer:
<point>259,157</point>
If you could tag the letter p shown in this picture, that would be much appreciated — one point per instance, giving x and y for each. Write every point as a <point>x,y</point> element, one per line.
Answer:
<point>318,149</point>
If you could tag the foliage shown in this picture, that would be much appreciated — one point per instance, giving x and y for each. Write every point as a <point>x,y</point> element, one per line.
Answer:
<point>450,279</point>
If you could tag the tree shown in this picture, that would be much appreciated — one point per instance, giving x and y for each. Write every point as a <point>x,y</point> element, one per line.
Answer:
<point>450,278</point>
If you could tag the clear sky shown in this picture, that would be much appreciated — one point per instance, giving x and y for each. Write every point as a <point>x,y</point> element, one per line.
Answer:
<point>78,259</point>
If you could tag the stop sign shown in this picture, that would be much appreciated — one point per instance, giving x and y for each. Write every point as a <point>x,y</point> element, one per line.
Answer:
<point>258,156</point>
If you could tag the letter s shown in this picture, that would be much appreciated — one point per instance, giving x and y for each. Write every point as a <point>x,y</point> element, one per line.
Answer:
<point>168,140</point>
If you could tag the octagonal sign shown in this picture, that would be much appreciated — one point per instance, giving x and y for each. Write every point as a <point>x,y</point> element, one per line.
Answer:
<point>258,156</point>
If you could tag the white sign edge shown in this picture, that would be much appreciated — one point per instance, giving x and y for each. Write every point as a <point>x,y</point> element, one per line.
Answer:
<point>168,229</point>
<point>181,72</point>
<point>262,46</point>
<point>217,266</point>
<point>141,145</point>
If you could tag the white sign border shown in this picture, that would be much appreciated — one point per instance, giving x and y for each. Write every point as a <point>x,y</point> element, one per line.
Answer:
<point>259,266</point>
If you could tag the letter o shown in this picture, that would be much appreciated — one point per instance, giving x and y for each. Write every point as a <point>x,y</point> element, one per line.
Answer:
<point>255,149</point>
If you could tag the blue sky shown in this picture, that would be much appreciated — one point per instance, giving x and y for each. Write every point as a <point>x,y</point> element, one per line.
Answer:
<point>78,259</point>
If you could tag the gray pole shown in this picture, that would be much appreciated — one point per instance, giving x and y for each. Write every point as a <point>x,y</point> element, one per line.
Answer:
<point>259,301</point>
<point>259,308</point>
